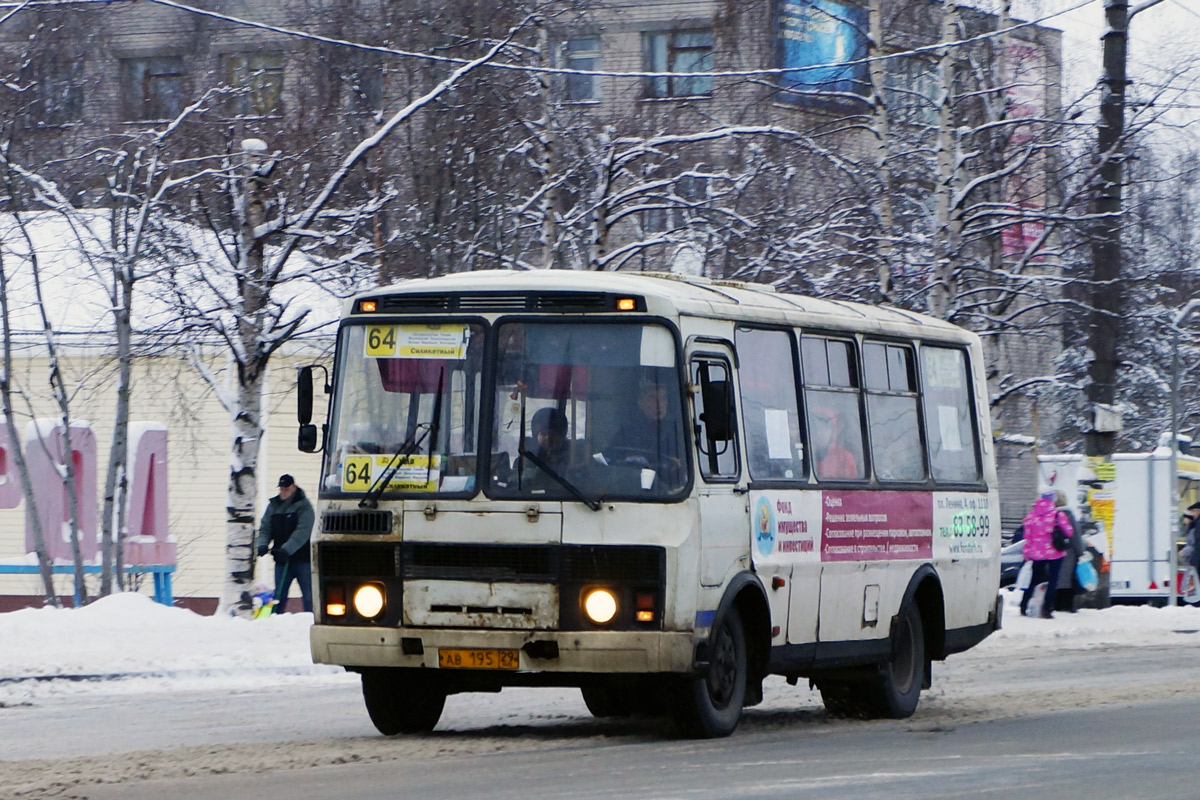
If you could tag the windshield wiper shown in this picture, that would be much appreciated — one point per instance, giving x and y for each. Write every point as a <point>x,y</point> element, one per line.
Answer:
<point>594,505</point>
<point>404,454</point>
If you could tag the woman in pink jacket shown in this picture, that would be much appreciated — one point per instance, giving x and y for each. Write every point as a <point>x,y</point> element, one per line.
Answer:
<point>1040,525</point>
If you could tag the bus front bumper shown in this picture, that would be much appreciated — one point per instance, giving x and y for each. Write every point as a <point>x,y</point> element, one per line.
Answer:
<point>587,652</point>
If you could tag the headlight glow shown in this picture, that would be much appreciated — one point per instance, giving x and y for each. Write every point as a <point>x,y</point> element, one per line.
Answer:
<point>368,600</point>
<point>600,605</point>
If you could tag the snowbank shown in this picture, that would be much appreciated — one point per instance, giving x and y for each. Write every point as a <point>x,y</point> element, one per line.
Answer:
<point>50,651</point>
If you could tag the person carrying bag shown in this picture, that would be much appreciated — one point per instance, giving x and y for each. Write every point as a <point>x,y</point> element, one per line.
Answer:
<point>1045,527</point>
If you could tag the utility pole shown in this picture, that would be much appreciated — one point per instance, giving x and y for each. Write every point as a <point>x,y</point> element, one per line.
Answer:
<point>1107,292</point>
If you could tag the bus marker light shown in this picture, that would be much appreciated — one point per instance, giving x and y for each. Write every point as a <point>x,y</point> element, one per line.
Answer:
<point>600,605</point>
<point>368,600</point>
<point>368,306</point>
<point>777,582</point>
<point>626,304</point>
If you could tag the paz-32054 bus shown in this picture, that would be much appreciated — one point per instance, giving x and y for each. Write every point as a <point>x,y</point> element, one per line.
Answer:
<point>658,489</point>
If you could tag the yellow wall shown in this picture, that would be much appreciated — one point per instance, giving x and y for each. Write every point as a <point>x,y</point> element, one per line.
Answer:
<point>169,391</point>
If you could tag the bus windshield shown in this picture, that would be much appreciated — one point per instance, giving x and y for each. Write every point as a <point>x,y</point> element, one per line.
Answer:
<point>389,379</point>
<point>587,411</point>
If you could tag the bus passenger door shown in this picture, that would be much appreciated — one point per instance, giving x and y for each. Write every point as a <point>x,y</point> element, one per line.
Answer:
<point>720,489</point>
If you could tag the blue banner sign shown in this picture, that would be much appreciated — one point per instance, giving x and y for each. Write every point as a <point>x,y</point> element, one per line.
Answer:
<point>822,47</point>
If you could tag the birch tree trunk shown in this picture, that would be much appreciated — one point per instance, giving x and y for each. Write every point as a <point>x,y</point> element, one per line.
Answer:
<point>947,224</point>
<point>18,454</point>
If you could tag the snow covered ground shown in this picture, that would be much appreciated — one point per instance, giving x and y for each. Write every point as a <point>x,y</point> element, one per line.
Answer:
<point>46,652</point>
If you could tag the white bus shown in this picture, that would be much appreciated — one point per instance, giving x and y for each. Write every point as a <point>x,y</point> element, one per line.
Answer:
<point>660,489</point>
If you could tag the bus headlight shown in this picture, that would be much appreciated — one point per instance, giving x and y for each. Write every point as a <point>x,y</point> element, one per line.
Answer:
<point>600,606</point>
<point>368,600</point>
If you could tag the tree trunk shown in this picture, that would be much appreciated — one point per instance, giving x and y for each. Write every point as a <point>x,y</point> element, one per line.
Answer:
<point>116,481</point>
<point>39,538</point>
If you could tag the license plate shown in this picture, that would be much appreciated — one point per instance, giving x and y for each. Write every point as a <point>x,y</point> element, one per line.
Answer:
<point>478,659</point>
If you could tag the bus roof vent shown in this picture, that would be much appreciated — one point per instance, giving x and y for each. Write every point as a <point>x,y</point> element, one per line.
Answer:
<point>490,302</point>
<point>414,303</point>
<point>573,301</point>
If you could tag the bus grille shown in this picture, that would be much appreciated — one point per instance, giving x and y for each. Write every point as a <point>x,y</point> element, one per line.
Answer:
<point>477,562</point>
<point>359,560</point>
<point>625,564</point>
<point>369,522</point>
<point>494,563</point>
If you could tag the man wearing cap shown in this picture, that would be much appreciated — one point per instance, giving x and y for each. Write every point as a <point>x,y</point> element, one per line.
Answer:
<point>286,527</point>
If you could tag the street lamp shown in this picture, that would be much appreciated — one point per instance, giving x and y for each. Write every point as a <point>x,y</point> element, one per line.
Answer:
<point>1191,308</point>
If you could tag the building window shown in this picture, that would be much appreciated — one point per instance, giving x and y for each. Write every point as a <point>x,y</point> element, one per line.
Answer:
<point>60,98</point>
<point>258,77</point>
<point>911,91</point>
<point>680,53</point>
<point>153,87</point>
<point>678,207</point>
<point>361,87</point>
<point>582,54</point>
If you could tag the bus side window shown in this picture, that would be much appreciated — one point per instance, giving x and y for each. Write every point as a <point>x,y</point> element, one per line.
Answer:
<point>715,423</point>
<point>889,376</point>
<point>831,398</point>
<point>769,407</point>
<point>946,384</point>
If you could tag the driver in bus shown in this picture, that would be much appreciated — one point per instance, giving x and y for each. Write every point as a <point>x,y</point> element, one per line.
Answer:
<point>647,438</point>
<point>832,460</point>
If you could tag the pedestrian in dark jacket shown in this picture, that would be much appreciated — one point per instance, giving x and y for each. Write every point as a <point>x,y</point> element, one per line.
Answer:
<point>1068,587</point>
<point>285,531</point>
<point>1191,533</point>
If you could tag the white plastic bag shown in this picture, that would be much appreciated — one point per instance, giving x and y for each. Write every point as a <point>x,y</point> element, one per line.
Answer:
<point>1036,600</point>
<point>1024,576</point>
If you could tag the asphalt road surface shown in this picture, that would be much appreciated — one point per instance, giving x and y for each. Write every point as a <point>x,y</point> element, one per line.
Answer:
<point>1106,721</point>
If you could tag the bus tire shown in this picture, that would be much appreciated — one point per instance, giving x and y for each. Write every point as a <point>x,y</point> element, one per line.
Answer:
<point>844,699</point>
<point>896,690</point>
<point>397,704</point>
<point>605,701</point>
<point>710,706</point>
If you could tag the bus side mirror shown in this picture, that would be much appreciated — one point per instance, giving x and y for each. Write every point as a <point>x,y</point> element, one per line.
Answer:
<point>304,399</point>
<point>717,410</point>
<point>307,440</point>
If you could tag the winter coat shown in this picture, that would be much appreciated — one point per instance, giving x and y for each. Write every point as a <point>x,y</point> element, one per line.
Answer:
<point>1040,523</point>
<point>1193,533</point>
<point>1075,549</point>
<point>287,526</point>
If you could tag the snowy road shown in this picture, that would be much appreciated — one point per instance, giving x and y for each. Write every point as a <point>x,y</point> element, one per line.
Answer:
<point>1125,667</point>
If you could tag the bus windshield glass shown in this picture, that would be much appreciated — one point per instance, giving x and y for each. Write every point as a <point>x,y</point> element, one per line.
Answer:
<point>587,411</point>
<point>389,380</point>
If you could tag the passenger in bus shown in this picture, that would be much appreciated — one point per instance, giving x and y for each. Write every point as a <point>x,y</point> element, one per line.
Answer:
<point>549,429</point>
<point>833,461</point>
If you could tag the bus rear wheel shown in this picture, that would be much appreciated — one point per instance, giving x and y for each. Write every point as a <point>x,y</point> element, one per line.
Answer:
<point>896,690</point>
<point>710,706</point>
<point>398,703</point>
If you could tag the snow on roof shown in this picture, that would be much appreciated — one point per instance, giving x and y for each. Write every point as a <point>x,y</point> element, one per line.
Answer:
<point>75,268</point>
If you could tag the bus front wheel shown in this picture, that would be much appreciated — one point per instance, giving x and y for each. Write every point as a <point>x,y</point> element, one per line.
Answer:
<point>399,704</point>
<point>711,705</point>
